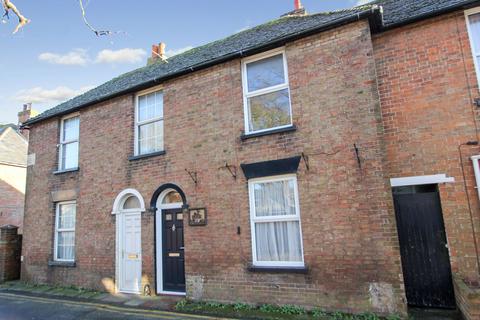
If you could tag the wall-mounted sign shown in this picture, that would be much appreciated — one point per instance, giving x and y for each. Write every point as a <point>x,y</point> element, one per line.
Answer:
<point>197,217</point>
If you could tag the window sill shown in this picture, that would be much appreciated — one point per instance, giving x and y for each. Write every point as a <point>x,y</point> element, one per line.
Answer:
<point>298,270</point>
<point>148,155</point>
<point>65,264</point>
<point>246,136</point>
<point>66,171</point>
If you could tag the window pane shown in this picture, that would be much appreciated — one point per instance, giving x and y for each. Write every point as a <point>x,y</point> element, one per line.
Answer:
<point>265,73</point>
<point>131,203</point>
<point>269,110</point>
<point>71,129</point>
<point>172,197</point>
<point>150,106</point>
<point>70,155</point>
<point>475,31</point>
<point>274,198</point>
<point>66,218</point>
<point>150,137</point>
<point>66,245</point>
<point>278,241</point>
<point>142,108</point>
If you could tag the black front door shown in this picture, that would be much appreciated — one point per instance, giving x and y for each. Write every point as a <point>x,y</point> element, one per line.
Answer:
<point>173,251</point>
<point>423,246</point>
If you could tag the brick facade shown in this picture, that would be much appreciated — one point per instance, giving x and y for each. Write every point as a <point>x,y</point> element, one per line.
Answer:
<point>427,84</point>
<point>343,206</point>
<point>12,199</point>
<point>404,97</point>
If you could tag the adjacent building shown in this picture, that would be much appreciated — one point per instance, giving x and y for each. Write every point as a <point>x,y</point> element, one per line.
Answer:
<point>326,160</point>
<point>13,175</point>
<point>13,169</point>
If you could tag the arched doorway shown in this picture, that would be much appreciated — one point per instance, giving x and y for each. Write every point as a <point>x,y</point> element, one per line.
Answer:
<point>127,208</point>
<point>169,201</point>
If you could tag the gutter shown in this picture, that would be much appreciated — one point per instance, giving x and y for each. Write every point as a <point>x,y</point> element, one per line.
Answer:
<point>374,15</point>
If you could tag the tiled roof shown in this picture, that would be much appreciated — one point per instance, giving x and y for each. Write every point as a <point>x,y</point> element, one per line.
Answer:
<point>4,127</point>
<point>274,33</point>
<point>13,147</point>
<point>397,12</point>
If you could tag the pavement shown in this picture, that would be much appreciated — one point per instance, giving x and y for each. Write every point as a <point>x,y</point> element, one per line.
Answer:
<point>20,301</point>
<point>27,306</point>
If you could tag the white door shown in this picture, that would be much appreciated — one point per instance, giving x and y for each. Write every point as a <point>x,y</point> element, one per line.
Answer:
<point>130,253</point>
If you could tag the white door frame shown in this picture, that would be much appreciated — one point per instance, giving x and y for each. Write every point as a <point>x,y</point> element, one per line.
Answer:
<point>119,230</point>
<point>159,240</point>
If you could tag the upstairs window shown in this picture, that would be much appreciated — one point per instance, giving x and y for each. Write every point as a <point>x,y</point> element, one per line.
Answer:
<point>149,123</point>
<point>275,222</point>
<point>473,26</point>
<point>69,135</point>
<point>266,93</point>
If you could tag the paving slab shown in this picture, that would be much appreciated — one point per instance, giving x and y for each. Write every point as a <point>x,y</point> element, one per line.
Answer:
<point>434,314</point>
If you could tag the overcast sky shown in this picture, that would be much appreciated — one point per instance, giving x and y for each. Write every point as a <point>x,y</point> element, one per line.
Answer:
<point>56,57</point>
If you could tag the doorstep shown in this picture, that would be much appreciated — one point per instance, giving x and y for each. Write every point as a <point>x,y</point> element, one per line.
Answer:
<point>434,314</point>
<point>165,303</point>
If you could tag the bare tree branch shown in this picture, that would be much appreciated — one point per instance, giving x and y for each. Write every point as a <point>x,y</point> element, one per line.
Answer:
<point>22,21</point>
<point>97,32</point>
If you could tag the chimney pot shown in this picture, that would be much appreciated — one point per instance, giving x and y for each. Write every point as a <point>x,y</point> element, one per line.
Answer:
<point>161,50</point>
<point>154,51</point>
<point>298,5</point>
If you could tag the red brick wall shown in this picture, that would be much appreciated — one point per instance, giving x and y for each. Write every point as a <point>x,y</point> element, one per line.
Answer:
<point>11,203</point>
<point>349,233</point>
<point>427,83</point>
<point>468,299</point>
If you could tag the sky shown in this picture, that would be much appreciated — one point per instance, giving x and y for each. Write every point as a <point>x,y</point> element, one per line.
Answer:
<point>56,57</point>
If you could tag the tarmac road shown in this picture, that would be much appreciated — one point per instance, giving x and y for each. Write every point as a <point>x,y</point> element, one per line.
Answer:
<point>22,307</point>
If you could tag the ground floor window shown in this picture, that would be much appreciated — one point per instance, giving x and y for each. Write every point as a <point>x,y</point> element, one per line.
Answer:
<point>64,249</point>
<point>275,222</point>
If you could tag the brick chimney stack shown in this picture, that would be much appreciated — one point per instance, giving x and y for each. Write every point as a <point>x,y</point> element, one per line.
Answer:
<point>158,52</point>
<point>299,10</point>
<point>24,115</point>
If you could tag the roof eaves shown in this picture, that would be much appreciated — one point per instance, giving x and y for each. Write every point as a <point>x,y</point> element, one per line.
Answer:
<point>431,14</point>
<point>369,12</point>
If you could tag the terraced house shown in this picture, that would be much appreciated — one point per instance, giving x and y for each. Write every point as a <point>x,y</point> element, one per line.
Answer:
<point>326,160</point>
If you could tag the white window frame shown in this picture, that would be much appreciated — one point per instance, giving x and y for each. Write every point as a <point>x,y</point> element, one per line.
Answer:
<point>57,230</point>
<point>475,55</point>
<point>140,123</point>
<point>254,220</point>
<point>476,170</point>
<point>279,87</point>
<point>63,142</point>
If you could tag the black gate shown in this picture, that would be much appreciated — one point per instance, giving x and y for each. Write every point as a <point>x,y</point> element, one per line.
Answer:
<point>423,245</point>
<point>173,251</point>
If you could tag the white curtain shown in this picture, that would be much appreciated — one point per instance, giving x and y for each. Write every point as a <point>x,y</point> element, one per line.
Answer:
<point>66,245</point>
<point>66,232</point>
<point>275,198</point>
<point>277,241</point>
